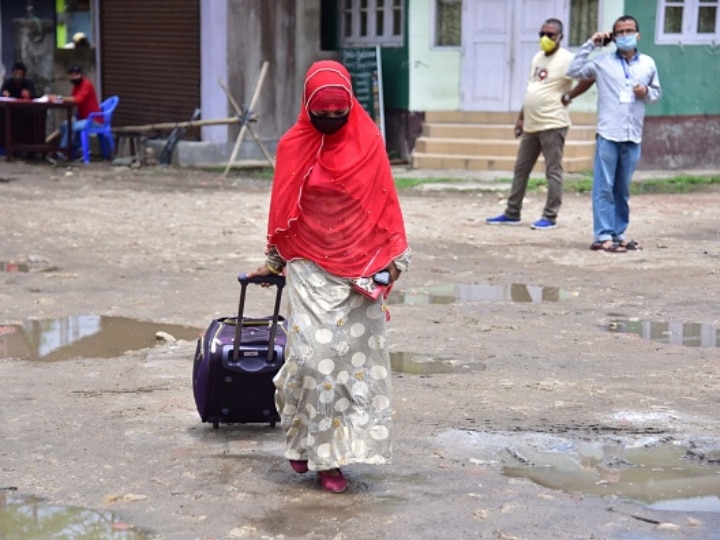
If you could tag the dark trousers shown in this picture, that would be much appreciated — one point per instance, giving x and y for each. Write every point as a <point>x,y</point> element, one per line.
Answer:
<point>551,143</point>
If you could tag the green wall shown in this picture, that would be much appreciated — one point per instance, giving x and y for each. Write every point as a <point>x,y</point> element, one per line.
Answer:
<point>689,74</point>
<point>394,60</point>
<point>396,77</point>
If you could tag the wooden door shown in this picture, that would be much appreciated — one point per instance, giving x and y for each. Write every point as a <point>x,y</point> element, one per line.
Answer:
<point>499,40</point>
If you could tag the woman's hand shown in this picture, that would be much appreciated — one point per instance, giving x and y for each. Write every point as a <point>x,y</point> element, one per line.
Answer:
<point>261,271</point>
<point>394,272</point>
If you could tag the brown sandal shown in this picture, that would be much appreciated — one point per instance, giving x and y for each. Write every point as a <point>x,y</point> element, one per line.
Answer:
<point>632,245</point>
<point>608,246</point>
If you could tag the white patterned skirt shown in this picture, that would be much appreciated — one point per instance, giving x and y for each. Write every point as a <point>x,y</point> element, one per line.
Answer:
<point>334,390</point>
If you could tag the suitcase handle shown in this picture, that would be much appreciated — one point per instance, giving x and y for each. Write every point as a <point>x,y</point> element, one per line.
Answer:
<point>279,282</point>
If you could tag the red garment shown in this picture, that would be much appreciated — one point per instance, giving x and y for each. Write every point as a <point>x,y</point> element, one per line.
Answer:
<point>85,99</point>
<point>330,98</point>
<point>333,197</point>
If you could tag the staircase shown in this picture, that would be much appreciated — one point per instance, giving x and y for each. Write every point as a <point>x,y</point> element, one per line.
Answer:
<point>484,141</point>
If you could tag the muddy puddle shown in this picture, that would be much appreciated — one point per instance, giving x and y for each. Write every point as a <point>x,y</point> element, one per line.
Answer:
<point>31,518</point>
<point>481,292</point>
<point>671,332</point>
<point>660,473</point>
<point>421,364</point>
<point>84,336</point>
<point>29,264</point>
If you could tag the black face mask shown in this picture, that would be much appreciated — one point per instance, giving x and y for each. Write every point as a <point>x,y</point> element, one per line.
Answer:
<point>328,124</point>
<point>75,82</point>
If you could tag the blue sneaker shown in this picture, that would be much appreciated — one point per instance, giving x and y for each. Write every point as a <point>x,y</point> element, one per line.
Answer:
<point>543,224</point>
<point>502,219</point>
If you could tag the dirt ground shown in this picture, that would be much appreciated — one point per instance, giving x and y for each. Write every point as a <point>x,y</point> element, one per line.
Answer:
<point>165,246</point>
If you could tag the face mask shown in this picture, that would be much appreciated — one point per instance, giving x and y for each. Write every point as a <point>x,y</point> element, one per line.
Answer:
<point>626,43</point>
<point>75,82</point>
<point>547,44</point>
<point>327,124</point>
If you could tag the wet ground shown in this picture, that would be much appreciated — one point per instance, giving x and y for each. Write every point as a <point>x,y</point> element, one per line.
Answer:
<point>542,390</point>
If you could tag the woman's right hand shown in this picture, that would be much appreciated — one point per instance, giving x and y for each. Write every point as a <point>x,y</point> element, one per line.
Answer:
<point>260,271</point>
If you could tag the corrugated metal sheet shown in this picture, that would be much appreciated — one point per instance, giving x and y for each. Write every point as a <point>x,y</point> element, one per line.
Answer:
<point>150,57</point>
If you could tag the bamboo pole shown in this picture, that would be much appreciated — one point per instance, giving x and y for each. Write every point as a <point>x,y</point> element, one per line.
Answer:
<point>251,107</point>
<point>172,125</point>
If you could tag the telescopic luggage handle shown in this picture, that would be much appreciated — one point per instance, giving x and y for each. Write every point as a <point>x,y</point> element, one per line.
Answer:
<point>259,280</point>
<point>279,282</point>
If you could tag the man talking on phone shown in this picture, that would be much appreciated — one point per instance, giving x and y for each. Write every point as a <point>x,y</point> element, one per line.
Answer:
<point>626,81</point>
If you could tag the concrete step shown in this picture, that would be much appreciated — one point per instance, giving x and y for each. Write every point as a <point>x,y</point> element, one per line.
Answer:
<point>496,131</point>
<point>492,147</point>
<point>478,140</point>
<point>486,117</point>
<point>476,162</point>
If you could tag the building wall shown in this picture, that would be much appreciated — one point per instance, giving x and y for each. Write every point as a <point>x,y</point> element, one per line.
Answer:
<point>682,130</point>
<point>688,73</point>
<point>2,63</point>
<point>287,35</point>
<point>16,9</point>
<point>434,73</point>
<point>213,67</point>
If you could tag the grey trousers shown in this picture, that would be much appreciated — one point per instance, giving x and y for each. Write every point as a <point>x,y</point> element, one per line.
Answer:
<point>551,143</point>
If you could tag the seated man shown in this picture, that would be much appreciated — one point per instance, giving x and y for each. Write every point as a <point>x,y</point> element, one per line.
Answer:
<point>17,86</point>
<point>85,100</point>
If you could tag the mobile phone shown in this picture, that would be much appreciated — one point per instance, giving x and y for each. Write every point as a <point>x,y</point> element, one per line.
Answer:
<point>607,39</point>
<point>383,278</point>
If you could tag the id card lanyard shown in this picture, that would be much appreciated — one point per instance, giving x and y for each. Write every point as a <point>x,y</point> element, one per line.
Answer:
<point>625,64</point>
<point>626,96</point>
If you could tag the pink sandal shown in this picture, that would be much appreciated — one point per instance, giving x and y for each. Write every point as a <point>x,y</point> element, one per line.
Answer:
<point>299,467</point>
<point>335,483</point>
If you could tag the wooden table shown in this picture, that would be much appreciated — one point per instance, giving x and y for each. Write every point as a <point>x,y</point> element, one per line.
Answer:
<point>23,125</point>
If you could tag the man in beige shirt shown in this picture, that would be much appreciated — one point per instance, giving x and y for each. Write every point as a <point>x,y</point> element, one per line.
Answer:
<point>543,123</point>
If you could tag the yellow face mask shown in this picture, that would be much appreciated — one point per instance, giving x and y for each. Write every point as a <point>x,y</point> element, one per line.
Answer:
<point>547,44</point>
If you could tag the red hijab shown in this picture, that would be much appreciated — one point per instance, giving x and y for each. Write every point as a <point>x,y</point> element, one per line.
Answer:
<point>333,197</point>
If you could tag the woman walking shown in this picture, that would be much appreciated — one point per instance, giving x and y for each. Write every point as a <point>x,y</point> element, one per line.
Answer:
<point>334,222</point>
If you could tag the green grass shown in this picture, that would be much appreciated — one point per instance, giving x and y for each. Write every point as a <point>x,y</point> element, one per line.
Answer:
<point>674,184</point>
<point>401,182</point>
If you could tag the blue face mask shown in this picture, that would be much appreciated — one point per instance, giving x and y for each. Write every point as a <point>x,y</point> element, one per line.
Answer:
<point>626,43</point>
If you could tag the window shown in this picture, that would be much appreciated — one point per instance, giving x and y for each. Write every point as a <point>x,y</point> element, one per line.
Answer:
<point>448,17</point>
<point>371,22</point>
<point>688,22</point>
<point>583,21</point>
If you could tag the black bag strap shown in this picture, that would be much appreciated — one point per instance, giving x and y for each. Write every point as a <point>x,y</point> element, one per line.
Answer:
<point>279,282</point>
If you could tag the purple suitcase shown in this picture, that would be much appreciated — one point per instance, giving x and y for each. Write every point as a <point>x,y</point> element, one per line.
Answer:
<point>235,363</point>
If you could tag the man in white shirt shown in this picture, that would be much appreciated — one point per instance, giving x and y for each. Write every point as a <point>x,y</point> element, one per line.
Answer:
<point>626,81</point>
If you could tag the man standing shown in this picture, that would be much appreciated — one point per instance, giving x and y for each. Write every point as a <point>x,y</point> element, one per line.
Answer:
<point>543,123</point>
<point>17,86</point>
<point>626,81</point>
<point>85,100</point>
